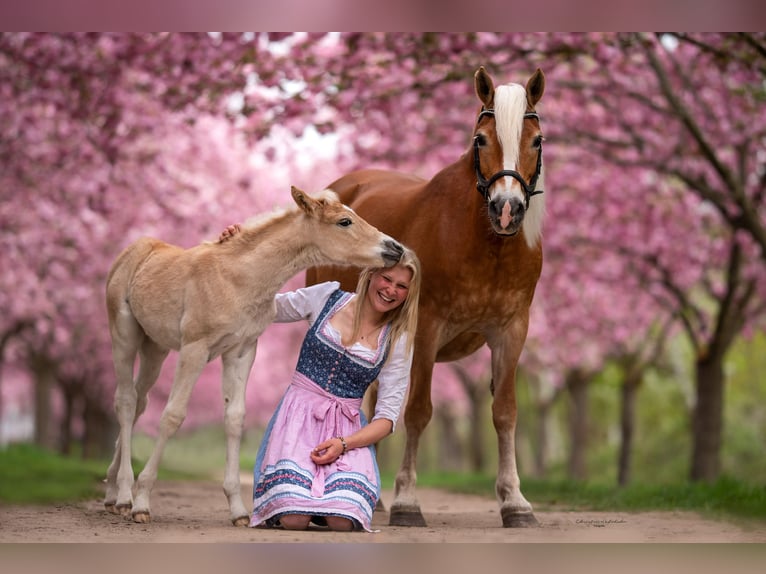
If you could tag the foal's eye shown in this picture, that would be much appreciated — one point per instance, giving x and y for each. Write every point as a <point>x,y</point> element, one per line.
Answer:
<point>345,222</point>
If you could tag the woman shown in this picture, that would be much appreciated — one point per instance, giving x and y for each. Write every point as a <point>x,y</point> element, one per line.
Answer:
<point>317,459</point>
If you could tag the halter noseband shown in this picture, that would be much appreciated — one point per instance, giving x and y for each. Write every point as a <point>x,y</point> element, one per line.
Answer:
<point>483,184</point>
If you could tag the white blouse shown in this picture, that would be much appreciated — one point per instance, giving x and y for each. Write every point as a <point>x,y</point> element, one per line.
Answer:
<point>306,303</point>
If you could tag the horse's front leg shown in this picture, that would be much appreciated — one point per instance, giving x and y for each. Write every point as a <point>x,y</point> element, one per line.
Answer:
<point>405,509</point>
<point>192,358</point>
<point>515,510</point>
<point>236,369</point>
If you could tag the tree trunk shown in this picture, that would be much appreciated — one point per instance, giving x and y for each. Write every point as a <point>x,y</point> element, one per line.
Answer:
<point>65,434</point>
<point>707,421</point>
<point>577,384</point>
<point>542,447</point>
<point>100,432</point>
<point>449,447</point>
<point>477,397</point>
<point>44,375</point>
<point>630,387</point>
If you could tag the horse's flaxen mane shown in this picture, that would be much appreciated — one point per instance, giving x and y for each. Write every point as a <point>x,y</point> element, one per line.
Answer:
<point>510,106</point>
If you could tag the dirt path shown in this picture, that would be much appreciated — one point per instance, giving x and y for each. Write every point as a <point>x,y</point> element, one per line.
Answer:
<point>197,512</point>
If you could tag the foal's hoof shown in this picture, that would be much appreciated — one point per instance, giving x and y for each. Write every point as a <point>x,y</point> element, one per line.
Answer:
<point>406,518</point>
<point>241,521</point>
<point>516,519</point>
<point>123,509</point>
<point>142,517</point>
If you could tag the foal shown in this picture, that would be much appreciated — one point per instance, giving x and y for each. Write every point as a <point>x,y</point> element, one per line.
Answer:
<point>208,301</point>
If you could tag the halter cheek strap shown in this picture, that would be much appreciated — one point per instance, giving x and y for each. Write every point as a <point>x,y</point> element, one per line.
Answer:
<point>483,184</point>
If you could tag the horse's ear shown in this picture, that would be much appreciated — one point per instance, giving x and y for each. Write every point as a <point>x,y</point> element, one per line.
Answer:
<point>302,199</point>
<point>485,87</point>
<point>535,87</point>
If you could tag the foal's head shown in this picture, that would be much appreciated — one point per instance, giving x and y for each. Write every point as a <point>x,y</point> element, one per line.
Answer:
<point>507,154</point>
<point>340,236</point>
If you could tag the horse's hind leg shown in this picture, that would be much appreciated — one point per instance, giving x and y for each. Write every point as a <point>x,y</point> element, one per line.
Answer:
<point>126,337</point>
<point>405,509</point>
<point>151,358</point>
<point>236,369</point>
<point>191,360</point>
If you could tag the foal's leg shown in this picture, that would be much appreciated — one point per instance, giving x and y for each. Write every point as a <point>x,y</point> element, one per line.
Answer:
<point>515,510</point>
<point>405,509</point>
<point>151,358</point>
<point>236,369</point>
<point>192,359</point>
<point>126,336</point>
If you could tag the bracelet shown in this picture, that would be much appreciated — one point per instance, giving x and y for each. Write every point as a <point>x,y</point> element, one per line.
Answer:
<point>343,443</point>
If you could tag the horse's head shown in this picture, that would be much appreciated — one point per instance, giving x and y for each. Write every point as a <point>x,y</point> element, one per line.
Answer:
<point>341,237</point>
<point>507,154</point>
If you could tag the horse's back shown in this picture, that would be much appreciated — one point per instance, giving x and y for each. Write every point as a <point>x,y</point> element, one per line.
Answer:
<point>381,197</point>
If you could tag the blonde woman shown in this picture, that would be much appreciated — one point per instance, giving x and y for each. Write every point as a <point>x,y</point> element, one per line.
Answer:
<point>317,460</point>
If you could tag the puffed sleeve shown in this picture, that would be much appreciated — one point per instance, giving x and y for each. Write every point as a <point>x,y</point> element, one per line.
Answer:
<point>304,303</point>
<point>392,383</point>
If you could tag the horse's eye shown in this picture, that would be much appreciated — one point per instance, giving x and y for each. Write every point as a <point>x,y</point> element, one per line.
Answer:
<point>345,222</point>
<point>481,140</point>
<point>538,142</point>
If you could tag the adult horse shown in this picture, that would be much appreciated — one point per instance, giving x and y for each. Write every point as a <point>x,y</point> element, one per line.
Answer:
<point>208,301</point>
<point>481,255</point>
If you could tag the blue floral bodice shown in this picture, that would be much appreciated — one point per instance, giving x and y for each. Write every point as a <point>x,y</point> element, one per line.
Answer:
<point>331,365</point>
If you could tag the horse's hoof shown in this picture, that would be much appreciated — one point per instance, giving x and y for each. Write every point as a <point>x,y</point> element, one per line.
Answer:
<point>406,518</point>
<point>123,509</point>
<point>241,521</point>
<point>142,517</point>
<point>379,506</point>
<point>111,507</point>
<point>516,519</point>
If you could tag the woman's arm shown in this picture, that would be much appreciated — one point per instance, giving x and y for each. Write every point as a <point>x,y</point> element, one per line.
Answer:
<point>331,449</point>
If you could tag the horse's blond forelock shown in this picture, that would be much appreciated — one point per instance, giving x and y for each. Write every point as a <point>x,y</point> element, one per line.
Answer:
<point>510,105</point>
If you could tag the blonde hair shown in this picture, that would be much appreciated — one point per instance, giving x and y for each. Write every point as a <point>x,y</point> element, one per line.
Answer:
<point>403,319</point>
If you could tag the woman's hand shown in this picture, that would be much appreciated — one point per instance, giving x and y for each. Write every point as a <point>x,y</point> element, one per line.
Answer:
<point>327,451</point>
<point>229,232</point>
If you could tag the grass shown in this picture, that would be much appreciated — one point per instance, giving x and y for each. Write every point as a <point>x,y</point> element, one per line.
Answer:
<point>31,475</point>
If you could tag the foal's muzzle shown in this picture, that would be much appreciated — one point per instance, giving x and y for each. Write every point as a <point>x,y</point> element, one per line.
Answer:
<point>392,252</point>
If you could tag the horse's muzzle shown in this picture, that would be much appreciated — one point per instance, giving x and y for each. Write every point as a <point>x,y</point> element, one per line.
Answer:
<point>506,215</point>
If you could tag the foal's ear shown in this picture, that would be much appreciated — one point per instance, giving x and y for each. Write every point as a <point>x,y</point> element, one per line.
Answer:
<point>535,87</point>
<point>485,87</point>
<point>303,200</point>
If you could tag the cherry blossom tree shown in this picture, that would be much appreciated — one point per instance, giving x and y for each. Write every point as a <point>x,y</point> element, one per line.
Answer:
<point>654,161</point>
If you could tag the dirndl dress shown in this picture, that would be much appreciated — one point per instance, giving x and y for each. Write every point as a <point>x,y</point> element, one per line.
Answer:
<point>323,400</point>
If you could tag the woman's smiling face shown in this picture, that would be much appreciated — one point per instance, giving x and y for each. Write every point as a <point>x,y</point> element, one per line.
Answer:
<point>389,288</point>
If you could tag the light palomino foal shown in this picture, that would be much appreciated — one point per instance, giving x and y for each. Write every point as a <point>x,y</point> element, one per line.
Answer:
<point>214,299</point>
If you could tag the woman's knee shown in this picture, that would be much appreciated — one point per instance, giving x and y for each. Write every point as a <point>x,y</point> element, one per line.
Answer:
<point>339,523</point>
<point>295,521</point>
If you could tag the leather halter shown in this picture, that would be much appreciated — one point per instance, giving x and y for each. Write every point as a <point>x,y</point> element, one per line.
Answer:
<point>483,184</point>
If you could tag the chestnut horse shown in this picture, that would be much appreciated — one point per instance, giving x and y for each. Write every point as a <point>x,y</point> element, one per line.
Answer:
<point>208,301</point>
<point>481,255</point>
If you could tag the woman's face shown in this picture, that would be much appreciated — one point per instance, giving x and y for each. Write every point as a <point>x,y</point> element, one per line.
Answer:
<point>389,288</point>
